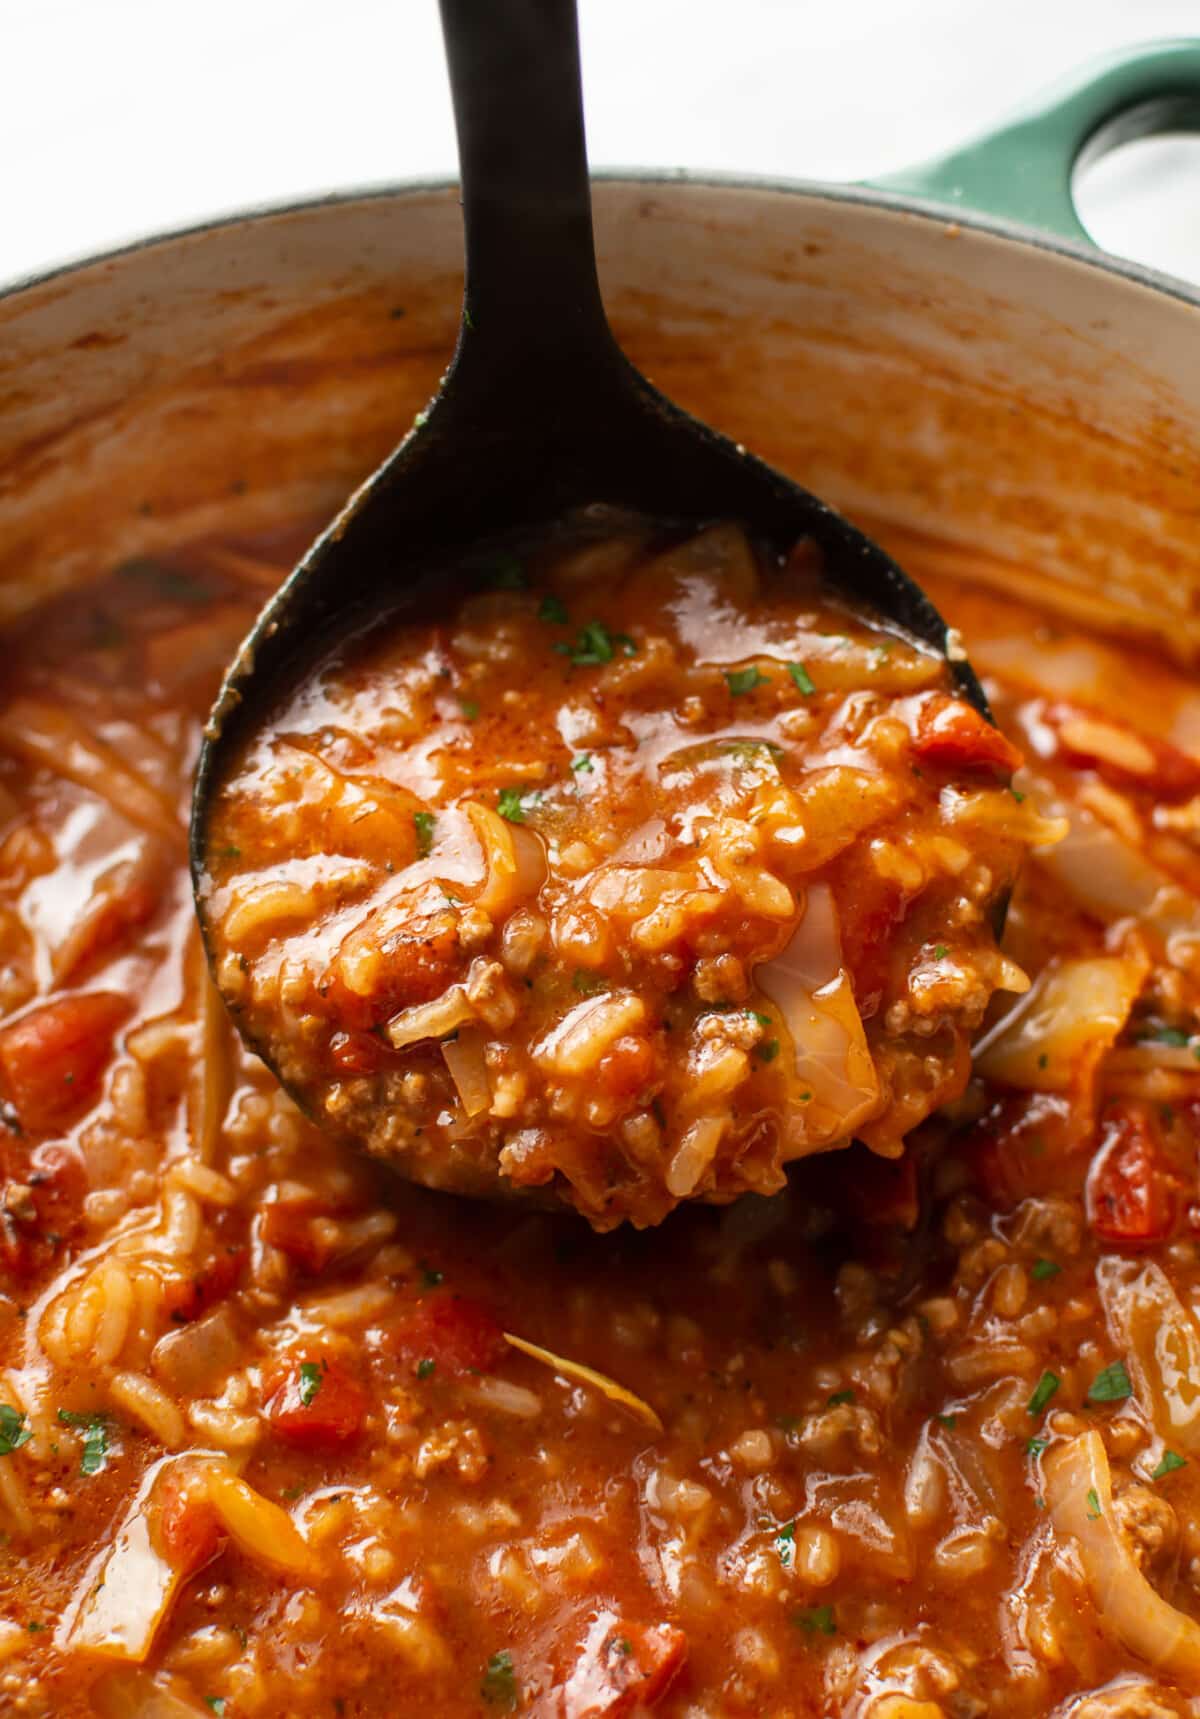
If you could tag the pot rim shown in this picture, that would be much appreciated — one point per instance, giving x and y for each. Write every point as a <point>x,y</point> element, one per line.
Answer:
<point>859,196</point>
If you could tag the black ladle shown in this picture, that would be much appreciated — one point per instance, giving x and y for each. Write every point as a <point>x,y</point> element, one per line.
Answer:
<point>540,413</point>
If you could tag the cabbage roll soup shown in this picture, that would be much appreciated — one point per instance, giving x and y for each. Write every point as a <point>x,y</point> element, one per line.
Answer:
<point>625,882</point>
<point>636,874</point>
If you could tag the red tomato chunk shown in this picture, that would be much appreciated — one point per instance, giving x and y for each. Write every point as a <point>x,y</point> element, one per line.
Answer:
<point>317,1406</point>
<point>52,1060</point>
<point>952,735</point>
<point>185,1524</point>
<point>1131,1193</point>
<point>622,1669</point>
<point>458,1335</point>
<point>212,1283</point>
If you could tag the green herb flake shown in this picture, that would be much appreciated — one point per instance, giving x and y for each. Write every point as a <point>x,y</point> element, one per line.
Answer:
<point>423,823</point>
<point>34,1627</point>
<point>1173,1036</point>
<point>508,804</point>
<point>1035,1446</point>
<point>840,1397</point>
<point>1111,1385</point>
<point>430,1277</point>
<point>94,1457</point>
<point>583,762</point>
<point>1170,1462</point>
<point>587,984</point>
<point>553,609</point>
<point>768,1050</point>
<point>785,1544</point>
<point>815,1620</point>
<point>1042,1270</point>
<point>940,952</point>
<point>217,1703</point>
<point>802,678</point>
<point>1017,796</point>
<point>499,1685</point>
<point>14,1431</point>
<point>1093,1502</point>
<point>1043,1391</point>
<point>469,708</point>
<point>744,680</point>
<point>947,1421</point>
<point>311,1380</point>
<point>426,1368</point>
<point>594,644</point>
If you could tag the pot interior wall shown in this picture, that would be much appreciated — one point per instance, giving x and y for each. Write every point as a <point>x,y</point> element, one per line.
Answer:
<point>939,383</point>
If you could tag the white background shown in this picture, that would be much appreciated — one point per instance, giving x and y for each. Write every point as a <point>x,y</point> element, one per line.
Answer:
<point>120,116</point>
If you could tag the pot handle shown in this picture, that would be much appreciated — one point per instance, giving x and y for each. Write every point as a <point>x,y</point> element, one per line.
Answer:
<point>1022,171</point>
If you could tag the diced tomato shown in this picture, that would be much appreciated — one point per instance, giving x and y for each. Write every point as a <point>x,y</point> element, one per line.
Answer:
<point>41,1202</point>
<point>952,735</point>
<point>356,1053</point>
<point>317,1405</point>
<point>1171,773</point>
<point>184,1523</point>
<point>204,1288</point>
<point>293,1226</point>
<point>52,1060</point>
<point>627,1067</point>
<point>459,1335</point>
<point>413,962</point>
<point>1132,1195</point>
<point>622,1668</point>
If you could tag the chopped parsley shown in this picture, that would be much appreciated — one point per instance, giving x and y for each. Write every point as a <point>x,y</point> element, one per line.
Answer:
<point>587,984</point>
<point>426,1368</point>
<point>553,610</point>
<point>785,1545</point>
<point>940,952</point>
<point>1093,1501</point>
<point>311,1380</point>
<point>594,644</point>
<point>745,680</point>
<point>768,1050</point>
<point>815,1620</point>
<point>508,804</point>
<point>1017,796</point>
<point>840,1397</point>
<point>1035,1446</point>
<point>802,678</point>
<point>1043,1269</point>
<point>499,1685</point>
<point>1111,1385</point>
<point>217,1703</point>
<point>95,1439</point>
<point>947,1421</point>
<point>1173,1036</point>
<point>469,708</point>
<point>423,823</point>
<point>583,762</point>
<point>430,1277</point>
<point>14,1430</point>
<point>1170,1462</point>
<point>1043,1391</point>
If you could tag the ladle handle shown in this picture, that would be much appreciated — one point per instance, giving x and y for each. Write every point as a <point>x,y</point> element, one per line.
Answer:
<point>532,313</point>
